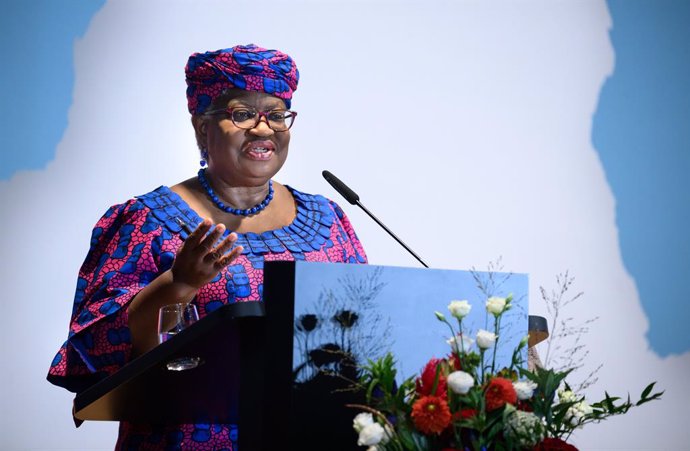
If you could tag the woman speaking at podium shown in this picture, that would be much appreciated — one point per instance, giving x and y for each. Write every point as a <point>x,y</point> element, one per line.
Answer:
<point>205,239</point>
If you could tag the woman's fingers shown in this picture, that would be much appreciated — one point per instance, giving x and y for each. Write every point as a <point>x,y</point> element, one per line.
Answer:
<point>229,257</point>
<point>207,244</point>
<point>219,252</point>
<point>204,254</point>
<point>227,243</point>
<point>199,233</point>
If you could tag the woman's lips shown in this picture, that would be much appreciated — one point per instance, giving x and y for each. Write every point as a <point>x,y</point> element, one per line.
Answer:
<point>260,150</point>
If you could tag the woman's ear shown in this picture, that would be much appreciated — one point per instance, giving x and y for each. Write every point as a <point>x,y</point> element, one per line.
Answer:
<point>199,124</point>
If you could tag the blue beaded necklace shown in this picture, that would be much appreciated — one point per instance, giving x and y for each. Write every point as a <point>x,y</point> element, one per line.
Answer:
<point>201,175</point>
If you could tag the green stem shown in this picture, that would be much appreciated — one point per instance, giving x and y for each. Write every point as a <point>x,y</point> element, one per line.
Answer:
<point>461,350</point>
<point>481,357</point>
<point>455,339</point>
<point>497,326</point>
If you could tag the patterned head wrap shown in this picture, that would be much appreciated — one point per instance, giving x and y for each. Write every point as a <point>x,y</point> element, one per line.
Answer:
<point>245,67</point>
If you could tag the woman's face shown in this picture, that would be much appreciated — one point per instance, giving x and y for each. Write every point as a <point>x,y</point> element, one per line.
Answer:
<point>242,157</point>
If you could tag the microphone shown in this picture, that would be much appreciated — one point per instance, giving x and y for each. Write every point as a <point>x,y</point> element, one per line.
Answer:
<point>353,198</point>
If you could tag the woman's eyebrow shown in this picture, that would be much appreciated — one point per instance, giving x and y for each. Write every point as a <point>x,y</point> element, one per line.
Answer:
<point>269,107</point>
<point>239,102</point>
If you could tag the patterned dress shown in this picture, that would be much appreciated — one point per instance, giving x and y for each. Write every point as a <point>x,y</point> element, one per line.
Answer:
<point>135,242</point>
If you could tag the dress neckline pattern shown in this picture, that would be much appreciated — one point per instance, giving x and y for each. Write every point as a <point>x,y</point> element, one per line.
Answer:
<point>308,232</point>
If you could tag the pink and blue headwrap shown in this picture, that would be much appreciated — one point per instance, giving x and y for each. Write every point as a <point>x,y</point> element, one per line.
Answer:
<point>245,67</point>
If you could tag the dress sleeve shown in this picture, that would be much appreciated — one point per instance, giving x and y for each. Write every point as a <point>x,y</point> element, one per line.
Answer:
<point>348,233</point>
<point>123,258</point>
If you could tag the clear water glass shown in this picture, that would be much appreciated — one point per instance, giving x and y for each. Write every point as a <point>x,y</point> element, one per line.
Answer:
<point>174,318</point>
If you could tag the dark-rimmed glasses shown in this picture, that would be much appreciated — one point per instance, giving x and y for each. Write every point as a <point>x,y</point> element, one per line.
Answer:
<point>248,118</point>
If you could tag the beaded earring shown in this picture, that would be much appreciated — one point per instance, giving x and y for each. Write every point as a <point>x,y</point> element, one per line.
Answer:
<point>204,157</point>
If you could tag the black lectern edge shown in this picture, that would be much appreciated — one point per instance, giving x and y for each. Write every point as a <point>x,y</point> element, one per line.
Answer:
<point>163,352</point>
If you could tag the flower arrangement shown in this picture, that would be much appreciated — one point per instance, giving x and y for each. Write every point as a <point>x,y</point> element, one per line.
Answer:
<point>464,403</point>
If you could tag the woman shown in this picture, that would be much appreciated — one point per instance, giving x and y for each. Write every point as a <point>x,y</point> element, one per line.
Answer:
<point>142,257</point>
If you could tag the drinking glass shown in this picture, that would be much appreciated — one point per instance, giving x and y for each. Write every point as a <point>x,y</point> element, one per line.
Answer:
<point>174,318</point>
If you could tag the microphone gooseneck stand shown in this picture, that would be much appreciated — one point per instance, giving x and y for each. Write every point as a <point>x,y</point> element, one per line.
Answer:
<point>353,198</point>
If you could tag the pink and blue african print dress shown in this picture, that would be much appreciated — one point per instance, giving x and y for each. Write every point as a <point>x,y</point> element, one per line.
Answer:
<point>135,242</point>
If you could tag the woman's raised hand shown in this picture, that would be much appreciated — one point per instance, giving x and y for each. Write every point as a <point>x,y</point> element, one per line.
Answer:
<point>201,257</point>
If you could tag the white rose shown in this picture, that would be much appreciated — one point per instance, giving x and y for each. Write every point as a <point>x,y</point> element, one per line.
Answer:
<point>460,382</point>
<point>459,309</point>
<point>485,339</point>
<point>495,305</point>
<point>460,341</point>
<point>361,421</point>
<point>524,389</point>
<point>372,434</point>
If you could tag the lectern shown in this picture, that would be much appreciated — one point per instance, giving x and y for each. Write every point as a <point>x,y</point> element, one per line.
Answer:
<point>285,368</point>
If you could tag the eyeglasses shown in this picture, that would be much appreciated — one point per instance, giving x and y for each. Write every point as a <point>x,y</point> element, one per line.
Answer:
<point>248,118</point>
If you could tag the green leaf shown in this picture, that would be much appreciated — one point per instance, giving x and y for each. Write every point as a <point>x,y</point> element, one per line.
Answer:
<point>406,439</point>
<point>609,402</point>
<point>647,390</point>
<point>436,377</point>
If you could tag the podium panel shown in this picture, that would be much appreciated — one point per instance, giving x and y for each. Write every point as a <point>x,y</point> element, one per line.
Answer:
<point>346,314</point>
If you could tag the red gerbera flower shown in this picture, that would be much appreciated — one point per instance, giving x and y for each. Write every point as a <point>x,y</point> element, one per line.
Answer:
<point>431,414</point>
<point>499,392</point>
<point>425,382</point>
<point>554,444</point>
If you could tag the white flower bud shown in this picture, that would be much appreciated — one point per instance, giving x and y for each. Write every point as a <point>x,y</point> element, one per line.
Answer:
<point>524,389</point>
<point>577,412</point>
<point>459,309</point>
<point>565,396</point>
<point>485,339</point>
<point>495,305</point>
<point>460,382</point>
<point>524,341</point>
<point>460,341</point>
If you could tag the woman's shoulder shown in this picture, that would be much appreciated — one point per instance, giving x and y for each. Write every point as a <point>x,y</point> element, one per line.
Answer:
<point>165,207</point>
<point>311,201</point>
<point>320,203</point>
<point>318,207</point>
<point>133,207</point>
<point>160,206</point>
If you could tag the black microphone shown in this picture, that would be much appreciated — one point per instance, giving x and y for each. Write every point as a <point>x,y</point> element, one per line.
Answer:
<point>353,198</point>
<point>340,187</point>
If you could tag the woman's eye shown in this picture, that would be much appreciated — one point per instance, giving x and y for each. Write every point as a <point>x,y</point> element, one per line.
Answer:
<point>277,116</point>
<point>242,115</point>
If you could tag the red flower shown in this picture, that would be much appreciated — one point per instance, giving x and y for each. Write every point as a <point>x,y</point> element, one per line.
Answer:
<point>499,392</point>
<point>525,406</point>
<point>431,414</point>
<point>454,362</point>
<point>425,382</point>
<point>554,444</point>
<point>466,414</point>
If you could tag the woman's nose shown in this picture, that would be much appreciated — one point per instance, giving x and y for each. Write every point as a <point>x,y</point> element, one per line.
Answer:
<point>262,128</point>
